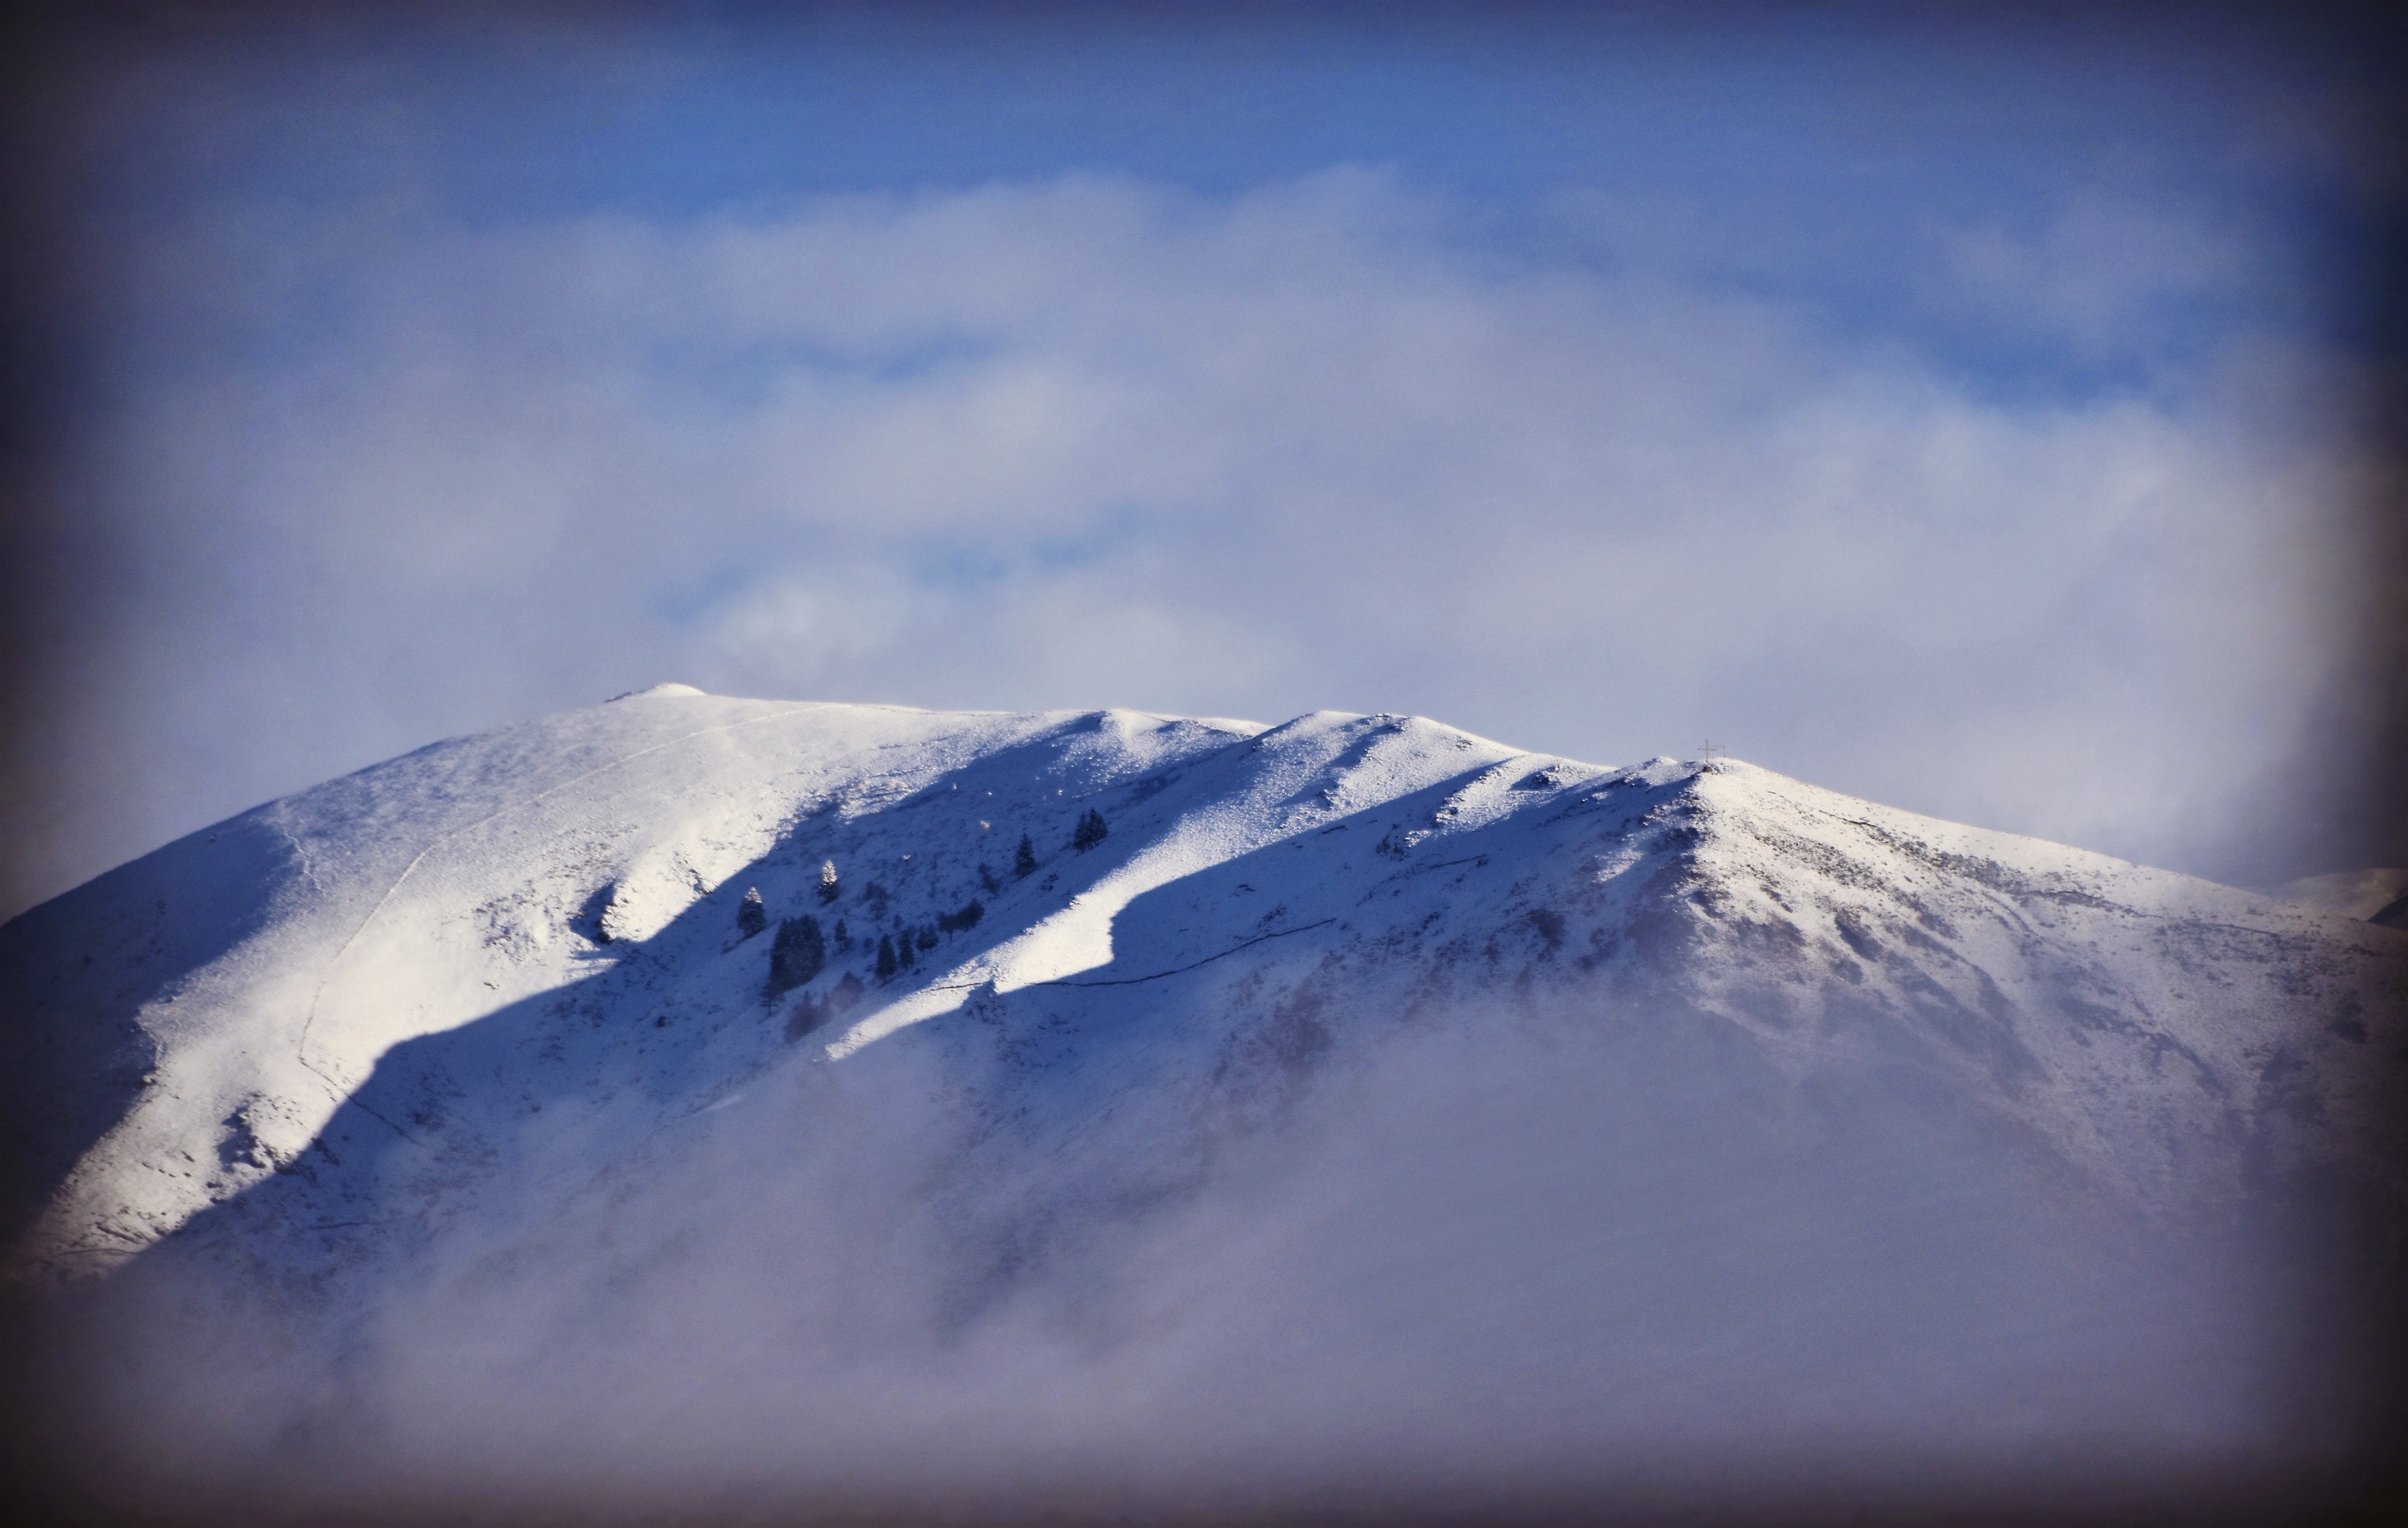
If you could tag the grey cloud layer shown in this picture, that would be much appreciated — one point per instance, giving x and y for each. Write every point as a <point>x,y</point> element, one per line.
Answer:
<point>1498,1257</point>
<point>1093,442</point>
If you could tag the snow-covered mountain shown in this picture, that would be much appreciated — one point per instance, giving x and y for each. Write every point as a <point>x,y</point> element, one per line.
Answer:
<point>423,1018</point>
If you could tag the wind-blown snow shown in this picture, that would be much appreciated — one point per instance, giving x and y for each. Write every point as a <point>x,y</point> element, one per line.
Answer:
<point>1369,1084</point>
<point>2352,894</point>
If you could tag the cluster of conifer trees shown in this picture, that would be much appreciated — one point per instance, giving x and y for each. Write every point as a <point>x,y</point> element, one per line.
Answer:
<point>800,950</point>
<point>798,954</point>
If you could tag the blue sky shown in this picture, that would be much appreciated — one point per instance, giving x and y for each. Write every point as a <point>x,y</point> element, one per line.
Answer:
<point>1965,414</point>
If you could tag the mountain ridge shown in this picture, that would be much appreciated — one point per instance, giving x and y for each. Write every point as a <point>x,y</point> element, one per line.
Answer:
<point>691,1100</point>
<point>413,898</point>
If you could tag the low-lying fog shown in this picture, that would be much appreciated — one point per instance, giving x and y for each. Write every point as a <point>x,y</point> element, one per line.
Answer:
<point>1568,1263</point>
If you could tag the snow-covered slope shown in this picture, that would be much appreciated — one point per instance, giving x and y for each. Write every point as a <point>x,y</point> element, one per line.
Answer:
<point>344,1005</point>
<point>1372,1106</point>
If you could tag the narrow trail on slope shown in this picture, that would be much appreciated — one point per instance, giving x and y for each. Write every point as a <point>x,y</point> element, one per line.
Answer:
<point>848,1047</point>
<point>1176,970</point>
<point>1131,981</point>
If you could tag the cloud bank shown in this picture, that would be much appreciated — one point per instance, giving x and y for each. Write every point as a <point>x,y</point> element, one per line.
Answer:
<point>1504,1265</point>
<point>1333,442</point>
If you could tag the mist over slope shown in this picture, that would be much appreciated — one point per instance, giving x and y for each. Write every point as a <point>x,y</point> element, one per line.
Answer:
<point>1370,1113</point>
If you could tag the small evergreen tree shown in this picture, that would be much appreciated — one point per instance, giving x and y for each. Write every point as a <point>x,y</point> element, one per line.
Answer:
<point>927,938</point>
<point>1023,860</point>
<point>752,917</point>
<point>904,954</point>
<point>1090,831</point>
<point>797,955</point>
<point>843,940</point>
<point>987,881</point>
<point>953,923</point>
<point>885,957</point>
<point>828,881</point>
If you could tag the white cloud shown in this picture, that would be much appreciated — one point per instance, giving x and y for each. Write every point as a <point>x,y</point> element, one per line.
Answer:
<point>1504,1255</point>
<point>2097,269</point>
<point>1094,442</point>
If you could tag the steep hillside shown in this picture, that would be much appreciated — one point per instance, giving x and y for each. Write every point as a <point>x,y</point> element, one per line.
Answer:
<point>706,1007</point>
<point>560,904</point>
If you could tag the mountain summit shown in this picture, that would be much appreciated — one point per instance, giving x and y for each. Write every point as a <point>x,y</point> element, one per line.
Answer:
<point>422,1019</point>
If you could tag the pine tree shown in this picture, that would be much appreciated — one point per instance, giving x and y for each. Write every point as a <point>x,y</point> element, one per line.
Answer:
<point>953,923</point>
<point>1024,860</point>
<point>885,957</point>
<point>797,955</point>
<point>828,881</point>
<point>1090,832</point>
<point>752,917</point>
